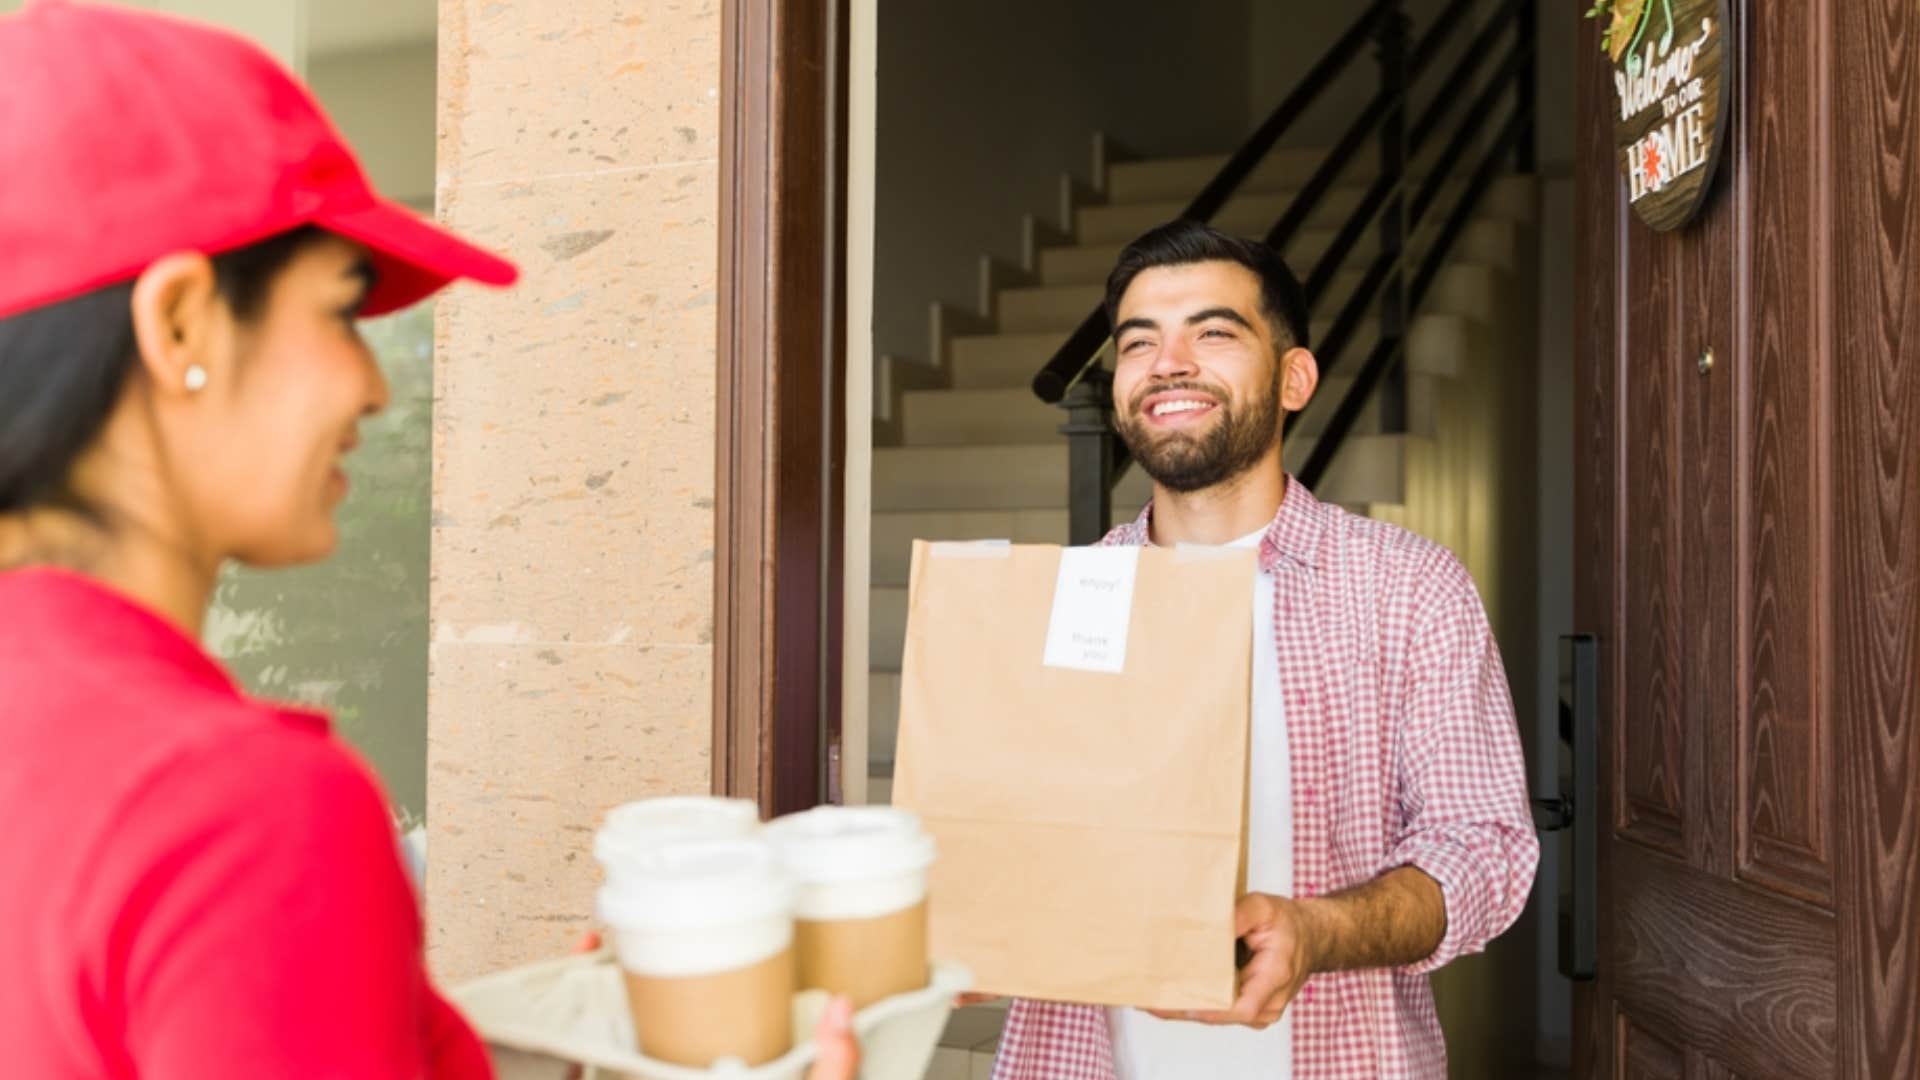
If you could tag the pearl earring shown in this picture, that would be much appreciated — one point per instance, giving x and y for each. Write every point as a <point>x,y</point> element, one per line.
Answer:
<point>196,378</point>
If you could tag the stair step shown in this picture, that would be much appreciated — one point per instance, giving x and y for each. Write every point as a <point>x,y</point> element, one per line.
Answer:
<point>1059,309</point>
<point>957,417</point>
<point>1082,264</point>
<point>1162,179</point>
<point>1024,477</point>
<point>1089,264</point>
<point>1490,240</point>
<point>1003,361</point>
<point>1244,215</point>
<point>1046,309</point>
<point>1512,199</point>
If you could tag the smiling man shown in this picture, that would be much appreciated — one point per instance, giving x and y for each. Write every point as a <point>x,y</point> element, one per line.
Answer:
<point>1388,823</point>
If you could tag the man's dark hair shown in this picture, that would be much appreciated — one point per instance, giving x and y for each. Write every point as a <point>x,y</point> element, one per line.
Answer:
<point>1183,242</point>
<point>63,366</point>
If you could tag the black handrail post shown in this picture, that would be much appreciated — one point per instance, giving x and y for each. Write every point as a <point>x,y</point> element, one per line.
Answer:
<point>1525,86</point>
<point>1090,439</point>
<point>1393,217</point>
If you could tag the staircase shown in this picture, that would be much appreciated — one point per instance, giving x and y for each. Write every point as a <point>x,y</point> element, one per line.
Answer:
<point>964,450</point>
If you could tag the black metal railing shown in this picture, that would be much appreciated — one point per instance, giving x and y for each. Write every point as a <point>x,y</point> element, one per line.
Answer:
<point>1074,377</point>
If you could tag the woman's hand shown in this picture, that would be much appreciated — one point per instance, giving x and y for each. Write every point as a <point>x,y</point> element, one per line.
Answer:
<point>839,1052</point>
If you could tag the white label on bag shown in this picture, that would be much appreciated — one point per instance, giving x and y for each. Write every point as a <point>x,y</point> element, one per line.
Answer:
<point>1092,605</point>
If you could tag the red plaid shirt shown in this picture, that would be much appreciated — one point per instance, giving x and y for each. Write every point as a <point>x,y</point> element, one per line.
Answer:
<point>1404,752</point>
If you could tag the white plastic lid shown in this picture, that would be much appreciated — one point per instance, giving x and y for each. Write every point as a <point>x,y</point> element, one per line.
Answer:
<point>850,843</point>
<point>695,885</point>
<point>636,827</point>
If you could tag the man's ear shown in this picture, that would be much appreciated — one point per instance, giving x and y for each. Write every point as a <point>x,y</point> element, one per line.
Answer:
<point>177,318</point>
<point>1299,377</point>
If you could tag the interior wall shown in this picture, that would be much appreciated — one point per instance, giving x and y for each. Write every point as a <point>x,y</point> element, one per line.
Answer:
<point>1472,486</point>
<point>982,107</point>
<point>1284,41</point>
<point>280,26</point>
<point>382,100</point>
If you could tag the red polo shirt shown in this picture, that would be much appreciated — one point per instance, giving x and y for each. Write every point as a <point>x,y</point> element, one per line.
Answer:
<point>192,884</point>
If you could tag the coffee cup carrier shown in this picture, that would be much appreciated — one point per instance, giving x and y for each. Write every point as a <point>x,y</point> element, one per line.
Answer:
<point>575,1009</point>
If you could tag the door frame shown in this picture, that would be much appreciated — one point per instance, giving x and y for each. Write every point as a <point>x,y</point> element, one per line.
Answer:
<point>780,453</point>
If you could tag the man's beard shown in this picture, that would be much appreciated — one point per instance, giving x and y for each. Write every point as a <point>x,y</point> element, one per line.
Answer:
<point>1183,462</point>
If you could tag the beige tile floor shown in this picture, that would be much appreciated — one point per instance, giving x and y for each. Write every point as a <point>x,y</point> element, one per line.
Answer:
<point>967,1046</point>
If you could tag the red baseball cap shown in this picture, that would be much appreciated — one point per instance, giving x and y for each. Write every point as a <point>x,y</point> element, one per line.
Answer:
<point>126,136</point>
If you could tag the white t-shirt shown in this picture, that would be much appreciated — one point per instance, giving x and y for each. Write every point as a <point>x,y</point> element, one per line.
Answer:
<point>1146,1047</point>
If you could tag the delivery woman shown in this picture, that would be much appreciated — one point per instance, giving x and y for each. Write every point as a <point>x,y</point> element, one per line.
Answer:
<point>193,884</point>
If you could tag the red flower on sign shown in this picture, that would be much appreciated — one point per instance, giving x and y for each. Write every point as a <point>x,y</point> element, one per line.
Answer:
<point>1650,161</point>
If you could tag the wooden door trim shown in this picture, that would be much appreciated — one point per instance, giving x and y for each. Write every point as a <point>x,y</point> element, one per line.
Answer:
<point>1875,598</point>
<point>780,445</point>
<point>1598,543</point>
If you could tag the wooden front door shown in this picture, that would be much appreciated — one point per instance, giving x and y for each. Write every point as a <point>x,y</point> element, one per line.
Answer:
<point>1749,557</point>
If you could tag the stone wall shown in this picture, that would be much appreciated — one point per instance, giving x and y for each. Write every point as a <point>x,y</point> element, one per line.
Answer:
<point>573,454</point>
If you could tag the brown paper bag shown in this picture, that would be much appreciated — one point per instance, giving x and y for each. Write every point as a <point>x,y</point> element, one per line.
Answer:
<point>1090,818</point>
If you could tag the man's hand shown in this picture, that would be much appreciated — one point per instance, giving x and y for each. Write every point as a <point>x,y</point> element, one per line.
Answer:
<point>1396,919</point>
<point>1281,935</point>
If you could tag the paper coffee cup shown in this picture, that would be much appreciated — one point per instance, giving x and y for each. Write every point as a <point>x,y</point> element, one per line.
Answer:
<point>861,899</point>
<point>704,933</point>
<point>634,828</point>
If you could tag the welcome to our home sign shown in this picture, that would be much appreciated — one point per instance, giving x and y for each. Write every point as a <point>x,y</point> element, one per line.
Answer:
<point>1671,77</point>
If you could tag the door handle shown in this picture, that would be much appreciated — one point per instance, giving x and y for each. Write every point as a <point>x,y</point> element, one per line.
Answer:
<point>1575,810</point>
<point>1552,815</point>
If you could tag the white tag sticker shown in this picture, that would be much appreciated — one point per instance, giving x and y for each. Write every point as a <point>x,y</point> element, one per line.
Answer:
<point>1092,606</point>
